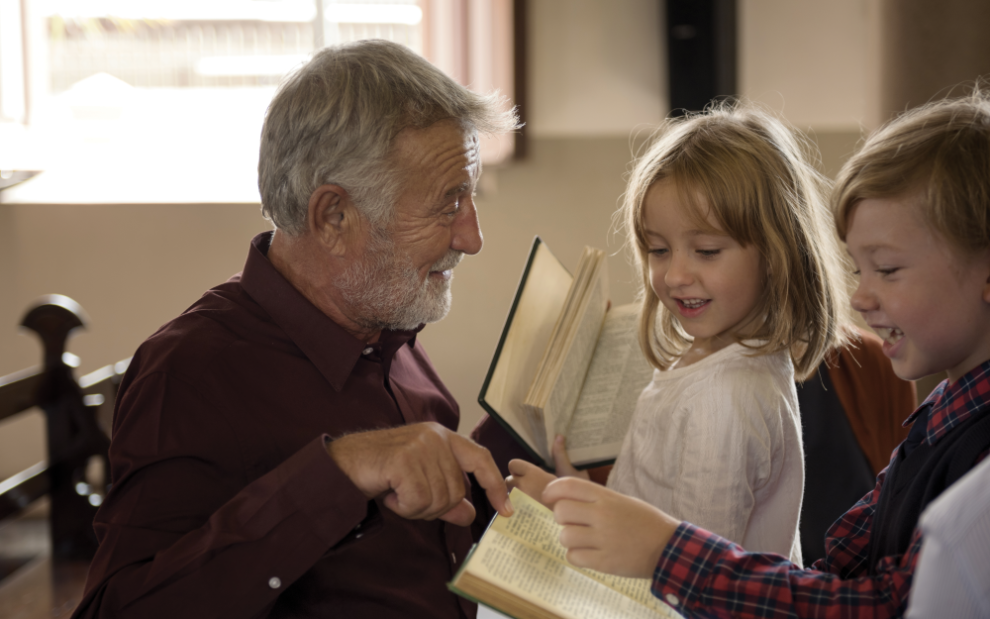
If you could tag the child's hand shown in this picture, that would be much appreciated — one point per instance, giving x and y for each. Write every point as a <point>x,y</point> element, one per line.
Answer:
<point>529,478</point>
<point>563,462</point>
<point>608,531</point>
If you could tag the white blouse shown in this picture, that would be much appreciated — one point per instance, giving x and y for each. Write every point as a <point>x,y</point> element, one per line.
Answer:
<point>718,444</point>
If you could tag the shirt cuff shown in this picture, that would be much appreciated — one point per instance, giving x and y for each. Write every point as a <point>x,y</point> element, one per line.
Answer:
<point>682,574</point>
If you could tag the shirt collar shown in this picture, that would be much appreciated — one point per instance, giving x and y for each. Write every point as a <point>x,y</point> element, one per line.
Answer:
<point>949,405</point>
<point>332,350</point>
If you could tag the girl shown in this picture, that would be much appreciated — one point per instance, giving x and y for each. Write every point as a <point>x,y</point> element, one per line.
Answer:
<point>742,290</point>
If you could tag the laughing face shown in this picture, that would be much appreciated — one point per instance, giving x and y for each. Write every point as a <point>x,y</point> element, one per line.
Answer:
<point>704,278</point>
<point>928,303</point>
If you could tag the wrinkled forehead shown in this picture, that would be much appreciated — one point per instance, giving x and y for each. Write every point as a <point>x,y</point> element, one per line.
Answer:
<point>446,147</point>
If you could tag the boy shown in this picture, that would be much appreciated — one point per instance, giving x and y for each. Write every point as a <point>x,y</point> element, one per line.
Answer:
<point>914,209</point>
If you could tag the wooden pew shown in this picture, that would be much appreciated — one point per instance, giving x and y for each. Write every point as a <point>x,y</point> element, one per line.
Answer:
<point>43,562</point>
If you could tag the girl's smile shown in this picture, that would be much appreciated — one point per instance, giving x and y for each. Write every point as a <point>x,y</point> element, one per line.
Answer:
<point>692,308</point>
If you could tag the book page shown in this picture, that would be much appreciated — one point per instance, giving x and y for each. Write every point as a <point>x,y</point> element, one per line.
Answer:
<point>524,340</point>
<point>588,270</point>
<point>534,526</point>
<point>523,555</point>
<point>544,582</point>
<point>617,375</point>
<point>576,358</point>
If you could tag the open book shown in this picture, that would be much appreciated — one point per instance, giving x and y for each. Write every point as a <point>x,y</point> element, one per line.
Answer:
<point>519,568</point>
<point>566,364</point>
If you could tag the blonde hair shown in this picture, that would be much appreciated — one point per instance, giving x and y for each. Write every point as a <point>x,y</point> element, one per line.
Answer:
<point>754,175</point>
<point>940,150</point>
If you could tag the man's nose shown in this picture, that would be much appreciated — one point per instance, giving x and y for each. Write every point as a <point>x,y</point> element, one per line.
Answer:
<point>467,230</point>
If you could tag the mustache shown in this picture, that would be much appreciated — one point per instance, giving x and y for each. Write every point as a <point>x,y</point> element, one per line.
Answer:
<point>450,260</point>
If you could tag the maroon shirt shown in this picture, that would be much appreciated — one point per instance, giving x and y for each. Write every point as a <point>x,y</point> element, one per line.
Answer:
<point>225,501</point>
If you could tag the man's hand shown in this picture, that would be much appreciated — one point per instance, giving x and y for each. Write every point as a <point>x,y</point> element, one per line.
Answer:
<point>608,531</point>
<point>420,469</point>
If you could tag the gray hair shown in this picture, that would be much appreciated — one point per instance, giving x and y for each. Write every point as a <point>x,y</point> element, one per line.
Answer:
<point>334,119</point>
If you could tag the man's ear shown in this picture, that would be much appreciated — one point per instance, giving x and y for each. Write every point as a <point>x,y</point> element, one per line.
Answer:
<point>331,216</point>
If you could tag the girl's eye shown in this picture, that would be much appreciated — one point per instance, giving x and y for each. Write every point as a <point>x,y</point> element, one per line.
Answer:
<point>889,271</point>
<point>856,272</point>
<point>709,252</point>
<point>659,252</point>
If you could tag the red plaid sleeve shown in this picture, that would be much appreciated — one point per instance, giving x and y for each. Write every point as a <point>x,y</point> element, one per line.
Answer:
<point>702,575</point>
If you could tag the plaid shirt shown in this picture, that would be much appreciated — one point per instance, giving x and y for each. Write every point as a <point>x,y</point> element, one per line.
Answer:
<point>703,575</point>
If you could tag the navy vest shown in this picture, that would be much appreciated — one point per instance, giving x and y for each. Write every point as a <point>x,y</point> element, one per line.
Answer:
<point>915,479</point>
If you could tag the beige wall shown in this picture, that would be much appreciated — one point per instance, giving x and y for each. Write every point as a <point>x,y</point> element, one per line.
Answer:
<point>596,80</point>
<point>598,68</point>
<point>815,62</point>
<point>130,267</point>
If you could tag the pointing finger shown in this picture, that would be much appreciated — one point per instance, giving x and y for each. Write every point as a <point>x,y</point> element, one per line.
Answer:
<point>474,458</point>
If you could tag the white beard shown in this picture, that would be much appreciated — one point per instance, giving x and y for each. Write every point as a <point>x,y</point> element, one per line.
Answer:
<point>385,290</point>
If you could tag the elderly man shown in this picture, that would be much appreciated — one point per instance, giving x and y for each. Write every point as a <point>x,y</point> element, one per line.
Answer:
<point>285,447</point>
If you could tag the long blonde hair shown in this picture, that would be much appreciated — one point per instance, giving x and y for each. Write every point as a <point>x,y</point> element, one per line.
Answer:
<point>756,177</point>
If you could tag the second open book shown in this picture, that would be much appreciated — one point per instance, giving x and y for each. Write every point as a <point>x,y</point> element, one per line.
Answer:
<point>566,363</point>
<point>519,568</point>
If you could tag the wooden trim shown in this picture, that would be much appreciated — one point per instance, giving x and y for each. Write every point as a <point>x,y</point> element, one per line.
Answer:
<point>18,390</point>
<point>22,489</point>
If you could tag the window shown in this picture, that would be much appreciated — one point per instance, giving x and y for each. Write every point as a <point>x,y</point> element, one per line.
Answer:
<point>139,101</point>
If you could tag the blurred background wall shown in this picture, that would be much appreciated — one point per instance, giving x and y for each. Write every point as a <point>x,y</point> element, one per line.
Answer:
<point>596,86</point>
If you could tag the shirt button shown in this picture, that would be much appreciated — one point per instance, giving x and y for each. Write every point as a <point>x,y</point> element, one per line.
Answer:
<point>274,582</point>
<point>672,599</point>
<point>368,351</point>
<point>359,536</point>
<point>453,557</point>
